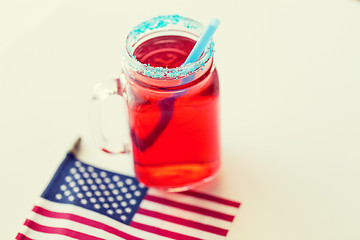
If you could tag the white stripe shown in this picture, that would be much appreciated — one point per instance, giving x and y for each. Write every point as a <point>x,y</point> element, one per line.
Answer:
<point>68,208</point>
<point>158,207</point>
<point>28,232</point>
<point>61,223</point>
<point>42,236</point>
<point>78,227</point>
<point>176,227</point>
<point>195,201</point>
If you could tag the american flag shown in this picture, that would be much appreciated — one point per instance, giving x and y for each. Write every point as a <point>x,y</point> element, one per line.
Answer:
<point>86,202</point>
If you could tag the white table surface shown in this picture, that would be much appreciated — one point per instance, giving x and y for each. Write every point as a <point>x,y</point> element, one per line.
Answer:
<point>290,105</point>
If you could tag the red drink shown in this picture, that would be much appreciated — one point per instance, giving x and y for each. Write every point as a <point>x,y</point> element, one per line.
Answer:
<point>174,129</point>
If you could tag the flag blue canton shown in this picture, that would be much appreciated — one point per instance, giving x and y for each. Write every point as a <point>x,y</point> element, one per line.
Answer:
<point>114,195</point>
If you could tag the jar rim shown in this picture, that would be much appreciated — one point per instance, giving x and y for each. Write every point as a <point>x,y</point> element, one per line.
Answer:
<point>159,23</point>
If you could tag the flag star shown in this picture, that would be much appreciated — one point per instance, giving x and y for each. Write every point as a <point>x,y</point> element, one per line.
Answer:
<point>106,193</point>
<point>80,195</point>
<point>85,188</point>
<point>115,192</point>
<point>110,212</point>
<point>81,181</point>
<point>98,193</point>
<point>132,201</point>
<point>118,211</point>
<point>111,186</point>
<point>86,175</point>
<point>77,164</point>
<point>90,169</point>
<point>116,178</point>
<point>88,194</point>
<point>89,181</point>
<point>120,184</point>
<point>93,187</point>
<point>72,184</point>
<point>83,201</point>
<point>101,199</point>
<point>128,195</point>
<point>71,198</point>
<point>77,176</point>
<point>76,189</point>
<point>128,210</point>
<point>132,187</point>
<point>119,198</point>
<point>68,178</point>
<point>94,175</point>
<point>98,181</point>
<point>97,206</point>
<point>102,187</point>
<point>107,180</point>
<point>124,189</point>
<point>128,181</point>
<point>67,193</point>
<point>123,217</point>
<point>93,200</point>
<point>141,185</point>
<point>105,205</point>
<point>103,174</point>
<point>123,203</point>
<point>115,205</point>
<point>110,199</point>
<point>63,187</point>
<point>137,193</point>
<point>72,170</point>
<point>82,169</point>
<point>58,196</point>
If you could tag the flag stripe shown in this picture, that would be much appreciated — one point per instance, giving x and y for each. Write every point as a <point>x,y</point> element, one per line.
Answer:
<point>190,208</point>
<point>85,221</point>
<point>62,231</point>
<point>62,223</point>
<point>181,213</point>
<point>32,234</point>
<point>21,236</point>
<point>184,222</point>
<point>65,223</point>
<point>162,232</point>
<point>176,227</point>
<point>187,199</point>
<point>59,207</point>
<point>212,198</point>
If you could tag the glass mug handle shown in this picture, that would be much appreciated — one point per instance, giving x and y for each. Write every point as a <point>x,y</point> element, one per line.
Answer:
<point>100,92</point>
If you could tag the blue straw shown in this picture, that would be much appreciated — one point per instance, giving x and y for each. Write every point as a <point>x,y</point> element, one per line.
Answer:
<point>203,41</point>
<point>200,46</point>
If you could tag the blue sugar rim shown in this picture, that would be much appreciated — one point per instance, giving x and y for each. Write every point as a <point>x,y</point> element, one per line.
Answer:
<point>158,23</point>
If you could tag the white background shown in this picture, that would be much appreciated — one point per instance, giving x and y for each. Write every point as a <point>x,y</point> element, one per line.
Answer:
<point>290,83</point>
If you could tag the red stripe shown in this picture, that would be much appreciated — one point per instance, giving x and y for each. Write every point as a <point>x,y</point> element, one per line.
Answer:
<point>190,208</point>
<point>83,220</point>
<point>21,236</point>
<point>212,198</point>
<point>118,85</point>
<point>107,151</point>
<point>162,232</point>
<point>62,231</point>
<point>184,222</point>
